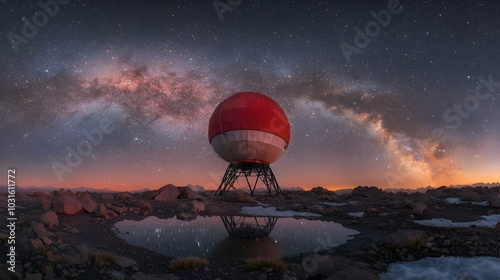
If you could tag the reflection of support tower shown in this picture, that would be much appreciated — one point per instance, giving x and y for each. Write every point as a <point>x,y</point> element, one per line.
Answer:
<point>258,170</point>
<point>249,227</point>
<point>248,238</point>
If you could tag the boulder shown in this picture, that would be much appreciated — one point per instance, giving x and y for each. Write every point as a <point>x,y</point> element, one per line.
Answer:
<point>186,216</point>
<point>237,196</point>
<point>495,202</point>
<point>143,204</point>
<point>123,262</point>
<point>366,192</point>
<point>336,268</point>
<point>170,276</point>
<point>66,204</point>
<point>497,226</point>
<point>102,211</point>
<point>36,243</point>
<point>320,190</point>
<point>50,219</point>
<point>33,276</point>
<point>193,206</point>
<point>47,241</point>
<point>106,197</point>
<point>167,193</point>
<point>87,203</point>
<point>124,196</point>
<point>419,208</point>
<point>40,229</point>
<point>187,193</point>
<point>84,251</point>
<point>353,273</point>
<point>46,203</point>
<point>405,238</point>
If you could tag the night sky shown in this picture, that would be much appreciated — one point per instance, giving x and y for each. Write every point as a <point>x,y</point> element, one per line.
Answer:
<point>415,102</point>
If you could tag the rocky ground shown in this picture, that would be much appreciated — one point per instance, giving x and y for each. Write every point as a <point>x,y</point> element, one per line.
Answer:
<point>66,235</point>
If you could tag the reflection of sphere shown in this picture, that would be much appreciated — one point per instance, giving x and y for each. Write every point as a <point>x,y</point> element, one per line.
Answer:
<point>239,249</point>
<point>249,127</point>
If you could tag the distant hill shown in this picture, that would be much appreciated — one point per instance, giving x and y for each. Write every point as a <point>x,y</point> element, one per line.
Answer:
<point>196,188</point>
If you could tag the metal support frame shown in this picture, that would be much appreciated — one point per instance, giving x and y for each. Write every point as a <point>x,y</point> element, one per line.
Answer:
<point>258,170</point>
<point>249,227</point>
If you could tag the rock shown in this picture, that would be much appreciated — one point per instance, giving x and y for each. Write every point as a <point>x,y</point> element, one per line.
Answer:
<point>406,237</point>
<point>237,196</point>
<point>193,206</point>
<point>36,243</point>
<point>167,193</point>
<point>320,190</point>
<point>70,228</point>
<point>419,208</point>
<point>47,241</point>
<point>87,203</point>
<point>66,204</point>
<point>72,259</point>
<point>116,275</point>
<point>102,211</point>
<point>50,219</point>
<point>353,273</point>
<point>46,204</point>
<point>186,216</point>
<point>123,262</point>
<point>336,268</point>
<point>84,251</point>
<point>143,204</point>
<point>495,202</point>
<point>106,197</point>
<point>366,192</point>
<point>33,276</point>
<point>124,196</point>
<point>40,229</point>
<point>289,275</point>
<point>142,276</point>
<point>497,226</point>
<point>187,193</point>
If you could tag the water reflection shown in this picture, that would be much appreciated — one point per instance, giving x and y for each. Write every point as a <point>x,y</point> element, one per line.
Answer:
<point>248,227</point>
<point>248,236</point>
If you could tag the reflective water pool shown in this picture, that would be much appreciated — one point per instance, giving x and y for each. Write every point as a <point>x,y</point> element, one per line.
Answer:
<point>233,237</point>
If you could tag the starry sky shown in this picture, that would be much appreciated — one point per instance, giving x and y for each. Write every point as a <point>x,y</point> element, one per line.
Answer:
<point>117,94</point>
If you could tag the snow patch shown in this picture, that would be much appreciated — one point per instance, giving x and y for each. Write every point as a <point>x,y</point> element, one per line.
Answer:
<point>356,214</point>
<point>260,211</point>
<point>333,203</point>
<point>456,200</point>
<point>453,200</point>
<point>445,268</point>
<point>482,203</point>
<point>486,221</point>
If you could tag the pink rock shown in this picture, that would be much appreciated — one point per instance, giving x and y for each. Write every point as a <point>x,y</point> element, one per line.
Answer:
<point>237,196</point>
<point>66,204</point>
<point>50,219</point>
<point>187,193</point>
<point>88,204</point>
<point>167,193</point>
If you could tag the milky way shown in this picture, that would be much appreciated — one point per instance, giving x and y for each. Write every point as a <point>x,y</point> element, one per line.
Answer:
<point>404,111</point>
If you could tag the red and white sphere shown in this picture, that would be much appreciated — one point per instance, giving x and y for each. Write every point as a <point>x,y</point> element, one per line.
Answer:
<point>249,127</point>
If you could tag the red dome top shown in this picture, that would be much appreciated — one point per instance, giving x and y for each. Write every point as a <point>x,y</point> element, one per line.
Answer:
<point>249,111</point>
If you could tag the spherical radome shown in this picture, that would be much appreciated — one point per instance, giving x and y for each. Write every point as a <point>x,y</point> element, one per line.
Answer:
<point>249,127</point>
